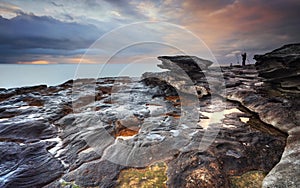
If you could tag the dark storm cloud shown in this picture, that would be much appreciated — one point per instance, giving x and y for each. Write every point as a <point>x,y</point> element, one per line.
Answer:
<point>30,34</point>
<point>30,31</point>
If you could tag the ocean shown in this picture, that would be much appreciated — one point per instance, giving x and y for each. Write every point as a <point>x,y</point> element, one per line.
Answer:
<point>17,75</point>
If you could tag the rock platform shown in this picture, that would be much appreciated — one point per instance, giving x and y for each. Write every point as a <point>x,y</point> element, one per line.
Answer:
<point>186,127</point>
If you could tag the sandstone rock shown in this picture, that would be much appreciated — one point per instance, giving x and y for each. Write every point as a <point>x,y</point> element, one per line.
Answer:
<point>281,68</point>
<point>187,63</point>
<point>90,132</point>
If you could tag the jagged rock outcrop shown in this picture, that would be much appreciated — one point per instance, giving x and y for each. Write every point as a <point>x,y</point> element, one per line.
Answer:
<point>281,69</point>
<point>281,72</point>
<point>186,63</point>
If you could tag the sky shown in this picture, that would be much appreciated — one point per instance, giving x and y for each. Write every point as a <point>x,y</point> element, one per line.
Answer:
<point>120,31</point>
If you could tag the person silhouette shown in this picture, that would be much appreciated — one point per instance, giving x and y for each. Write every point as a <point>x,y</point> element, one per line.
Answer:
<point>244,57</point>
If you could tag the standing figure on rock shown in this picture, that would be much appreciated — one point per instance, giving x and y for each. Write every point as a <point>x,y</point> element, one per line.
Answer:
<point>244,57</point>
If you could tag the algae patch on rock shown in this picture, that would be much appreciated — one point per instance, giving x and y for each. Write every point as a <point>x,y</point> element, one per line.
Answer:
<point>152,176</point>
<point>65,184</point>
<point>251,179</point>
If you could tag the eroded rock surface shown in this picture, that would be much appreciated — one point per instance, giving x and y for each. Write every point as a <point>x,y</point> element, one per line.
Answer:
<point>210,127</point>
<point>280,68</point>
<point>281,84</point>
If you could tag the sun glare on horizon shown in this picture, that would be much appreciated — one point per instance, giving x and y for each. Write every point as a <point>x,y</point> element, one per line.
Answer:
<point>38,62</point>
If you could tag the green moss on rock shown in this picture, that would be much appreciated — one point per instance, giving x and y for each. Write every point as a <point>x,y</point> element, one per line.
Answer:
<point>68,184</point>
<point>153,176</point>
<point>251,179</point>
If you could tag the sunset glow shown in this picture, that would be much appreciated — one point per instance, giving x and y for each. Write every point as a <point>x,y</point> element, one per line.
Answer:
<point>39,62</point>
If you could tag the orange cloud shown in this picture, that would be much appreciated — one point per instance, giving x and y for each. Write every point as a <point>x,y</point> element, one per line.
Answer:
<point>81,60</point>
<point>39,62</point>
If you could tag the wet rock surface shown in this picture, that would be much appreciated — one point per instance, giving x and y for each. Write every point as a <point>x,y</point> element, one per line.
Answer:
<point>209,127</point>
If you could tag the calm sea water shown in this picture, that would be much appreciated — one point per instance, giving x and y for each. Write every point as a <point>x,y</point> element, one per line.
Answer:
<point>16,75</point>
